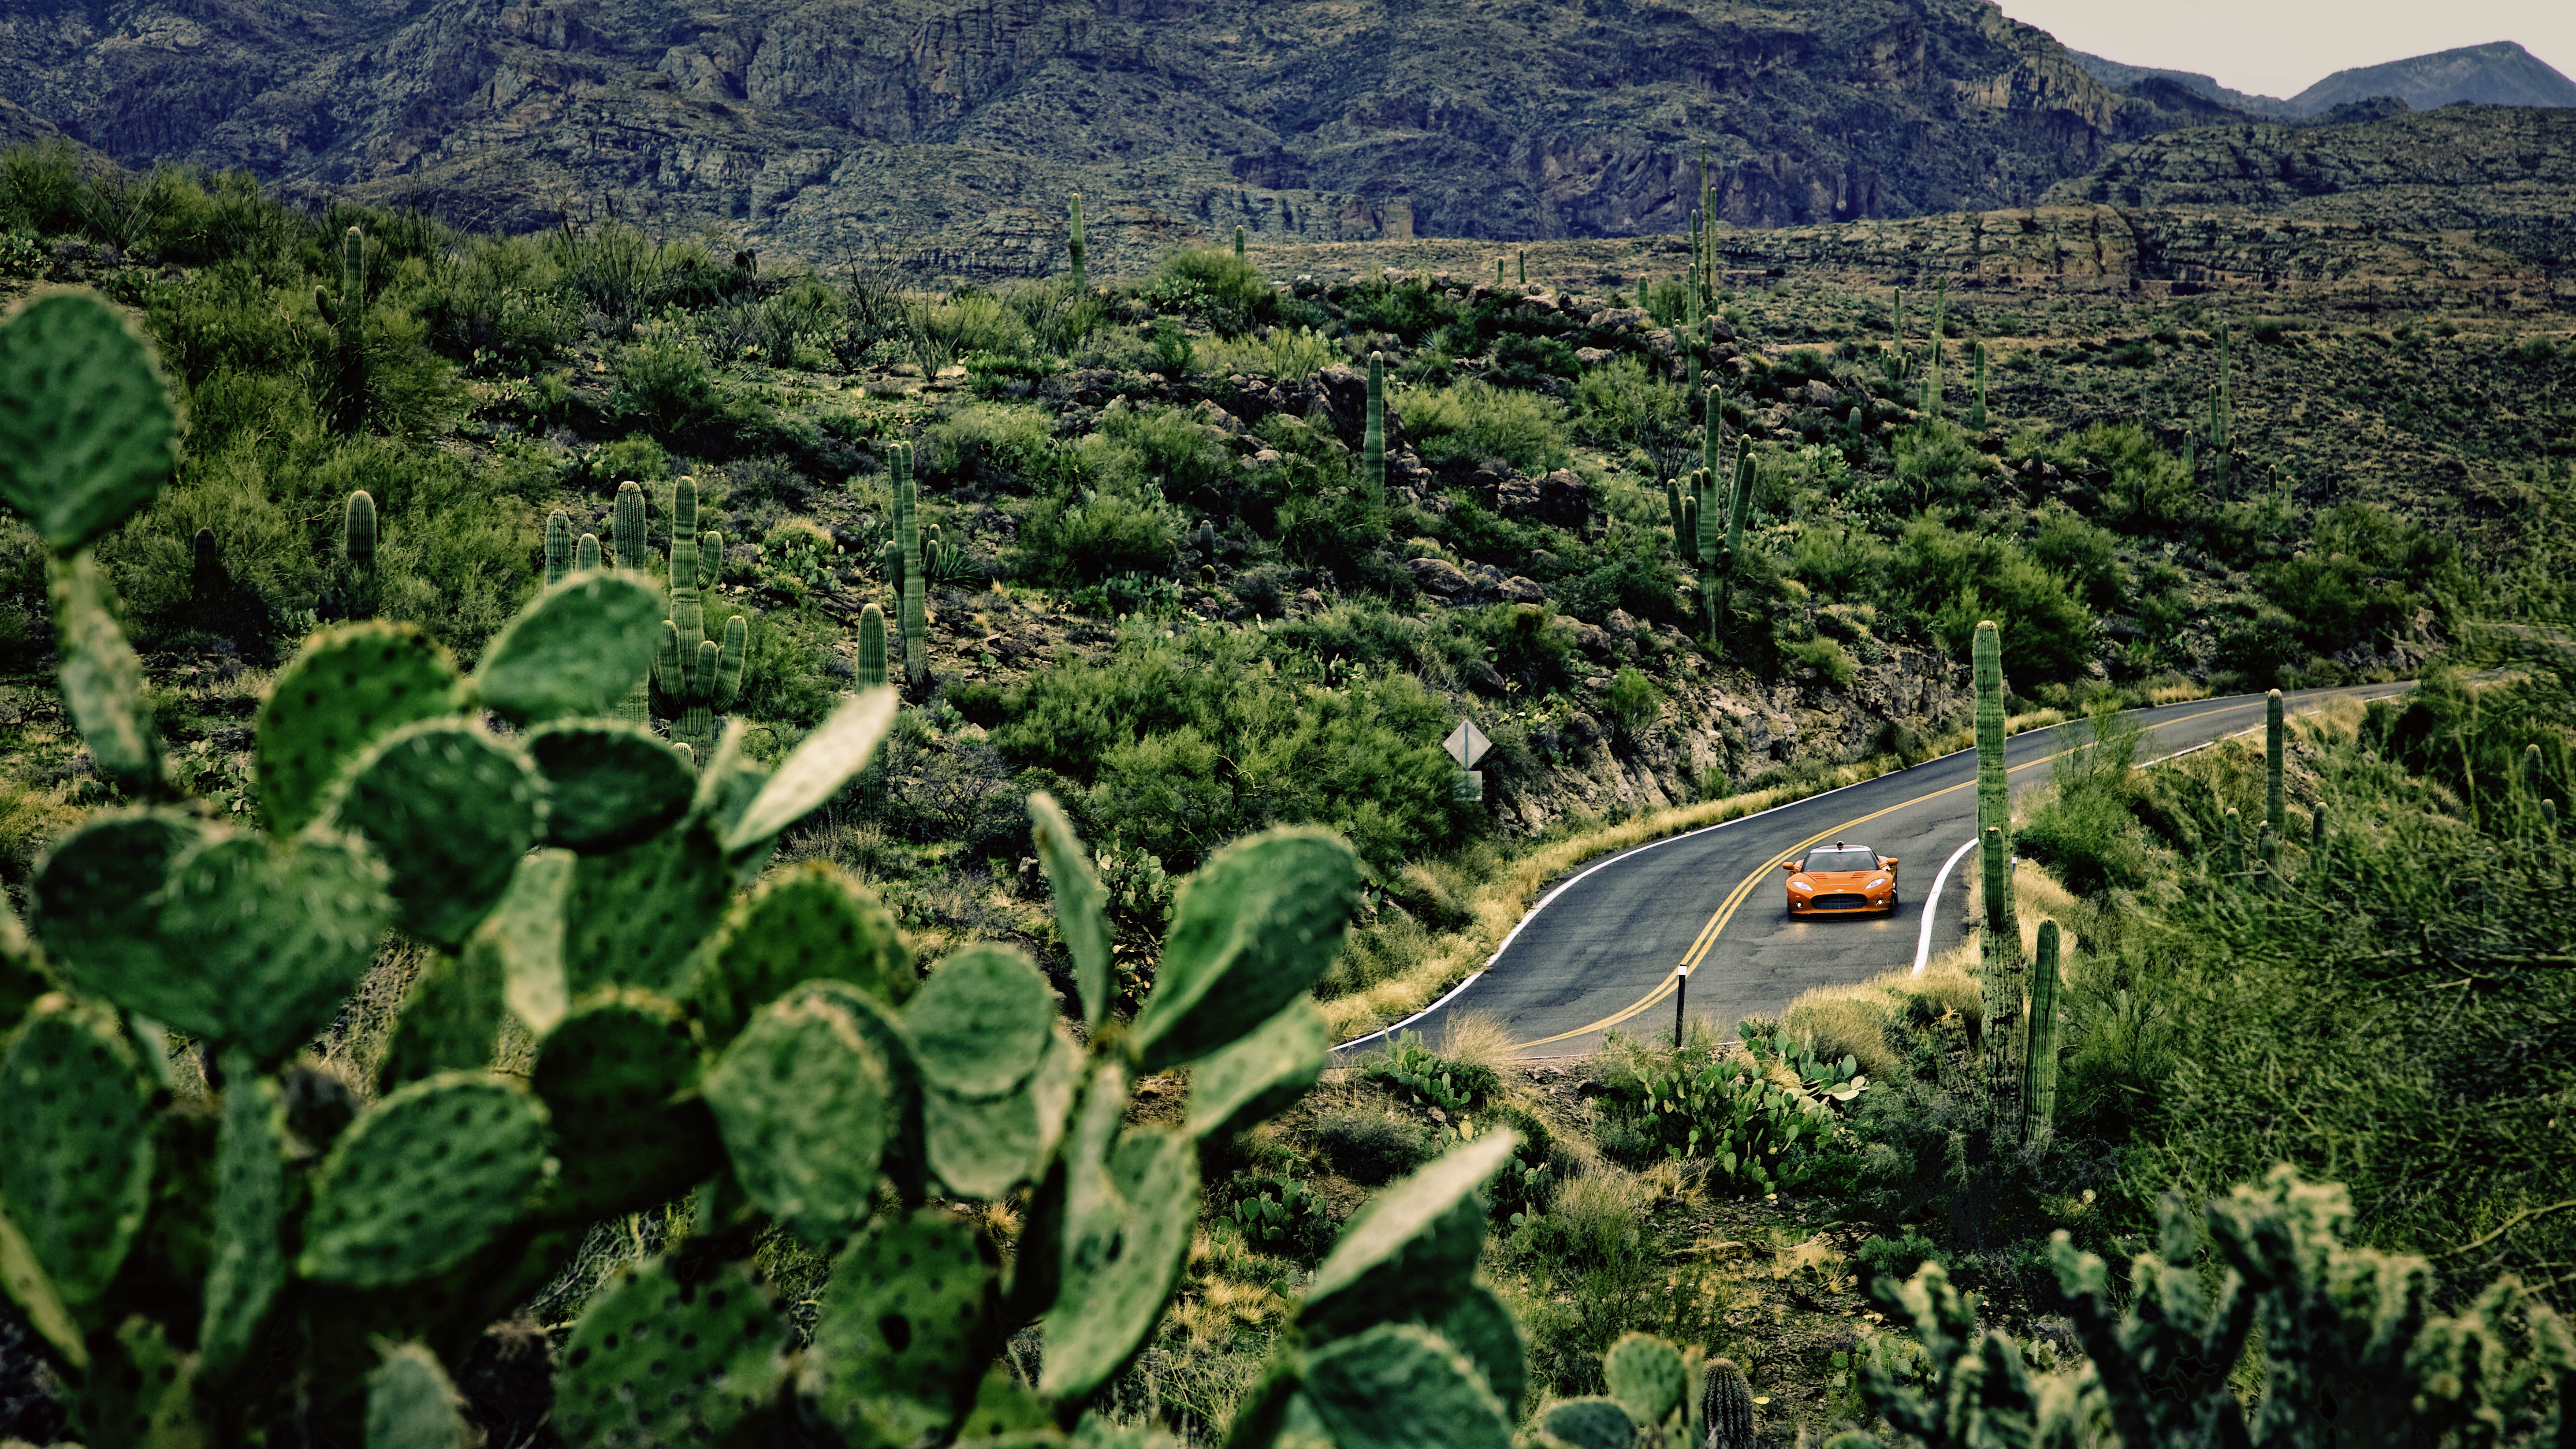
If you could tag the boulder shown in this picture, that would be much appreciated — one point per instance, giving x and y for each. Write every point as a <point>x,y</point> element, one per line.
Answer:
<point>1440,578</point>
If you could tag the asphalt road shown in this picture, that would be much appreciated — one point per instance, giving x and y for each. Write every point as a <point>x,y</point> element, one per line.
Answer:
<point>1600,948</point>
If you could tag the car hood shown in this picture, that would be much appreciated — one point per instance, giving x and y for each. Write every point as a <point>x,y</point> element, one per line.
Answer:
<point>1836,877</point>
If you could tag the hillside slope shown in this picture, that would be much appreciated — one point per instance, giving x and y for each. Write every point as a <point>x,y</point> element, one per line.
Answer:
<point>2497,74</point>
<point>813,125</point>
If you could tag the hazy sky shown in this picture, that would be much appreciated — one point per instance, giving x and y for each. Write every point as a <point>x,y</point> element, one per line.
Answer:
<point>2281,47</point>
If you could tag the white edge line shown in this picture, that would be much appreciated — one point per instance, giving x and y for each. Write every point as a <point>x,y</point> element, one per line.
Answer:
<point>1613,859</point>
<point>1932,905</point>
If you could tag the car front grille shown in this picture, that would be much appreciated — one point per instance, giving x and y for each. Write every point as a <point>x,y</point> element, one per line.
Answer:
<point>1838,903</point>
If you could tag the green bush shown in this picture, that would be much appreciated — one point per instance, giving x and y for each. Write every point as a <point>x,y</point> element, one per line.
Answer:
<point>1474,421</point>
<point>1370,1144</point>
<point>1077,535</point>
<point>1211,284</point>
<point>1633,701</point>
<point>664,383</point>
<point>1957,578</point>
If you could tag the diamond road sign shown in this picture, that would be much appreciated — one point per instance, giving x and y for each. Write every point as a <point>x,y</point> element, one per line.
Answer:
<point>1467,744</point>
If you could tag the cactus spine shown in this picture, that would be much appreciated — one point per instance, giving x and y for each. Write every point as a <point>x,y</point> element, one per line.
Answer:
<point>698,675</point>
<point>907,540</point>
<point>2039,1058</point>
<point>2274,817</point>
<point>872,648</point>
<point>1373,436</point>
<point>558,548</point>
<point>2001,947</point>
<point>1073,248</point>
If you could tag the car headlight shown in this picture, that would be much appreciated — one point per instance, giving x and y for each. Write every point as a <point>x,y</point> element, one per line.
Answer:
<point>1803,886</point>
<point>1877,885</point>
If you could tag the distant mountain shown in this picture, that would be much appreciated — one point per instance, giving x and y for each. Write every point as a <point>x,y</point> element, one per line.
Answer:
<point>957,127</point>
<point>2500,74</point>
<point>2126,77</point>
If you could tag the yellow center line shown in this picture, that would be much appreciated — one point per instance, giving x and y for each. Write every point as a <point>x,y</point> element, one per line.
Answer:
<point>1707,939</point>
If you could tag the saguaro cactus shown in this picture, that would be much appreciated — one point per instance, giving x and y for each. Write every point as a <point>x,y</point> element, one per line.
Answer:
<point>348,316</point>
<point>627,551</point>
<point>1977,409</point>
<point>2000,951</point>
<point>1073,249</point>
<point>1238,241</point>
<point>358,553</point>
<point>1932,369</point>
<point>1373,434</point>
<point>696,674</point>
<point>2231,846</point>
<point>558,548</point>
<point>1739,506</point>
<point>872,648</point>
<point>2039,1058</point>
<point>907,544</point>
<point>2274,818</point>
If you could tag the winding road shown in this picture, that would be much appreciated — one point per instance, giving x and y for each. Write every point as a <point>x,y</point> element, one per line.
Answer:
<point>1601,949</point>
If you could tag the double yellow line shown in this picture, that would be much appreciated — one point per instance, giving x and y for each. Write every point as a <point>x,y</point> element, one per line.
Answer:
<point>1707,938</point>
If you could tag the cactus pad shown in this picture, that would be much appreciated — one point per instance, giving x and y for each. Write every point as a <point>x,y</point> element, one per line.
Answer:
<point>837,749</point>
<point>984,1147</point>
<point>249,1259</point>
<point>608,785</point>
<point>1127,1237</point>
<point>451,1018</point>
<point>612,1074</point>
<point>883,1030</point>
<point>1593,1423</point>
<point>525,934</point>
<point>1479,1326</point>
<point>575,650</point>
<point>636,916</point>
<point>96,908</point>
<point>101,679</point>
<point>801,1101</point>
<point>277,935</point>
<point>660,1359</point>
<point>422,1180</point>
<point>451,810</point>
<point>809,923</point>
<point>1645,1375</point>
<point>1251,931</point>
<point>346,688</point>
<point>1399,1386</point>
<point>979,1024</point>
<point>1262,1074</point>
<point>1080,906</point>
<point>141,1393</point>
<point>76,1146</point>
<point>411,1405</point>
<point>906,1330</point>
<point>1410,1247</point>
<point>89,435</point>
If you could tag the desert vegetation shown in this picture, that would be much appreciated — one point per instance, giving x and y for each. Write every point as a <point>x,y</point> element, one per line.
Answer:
<point>806,839</point>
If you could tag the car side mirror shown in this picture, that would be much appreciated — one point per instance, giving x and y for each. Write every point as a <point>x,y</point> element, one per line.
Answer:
<point>1887,862</point>
<point>1789,865</point>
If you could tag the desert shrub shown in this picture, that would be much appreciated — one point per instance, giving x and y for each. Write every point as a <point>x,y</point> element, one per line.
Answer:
<point>663,383</point>
<point>1832,662</point>
<point>1957,578</point>
<point>1076,535</point>
<point>2087,556</point>
<point>995,445</point>
<point>1474,421</point>
<point>1633,701</point>
<point>2083,829</point>
<point>1290,354</point>
<point>2150,491</point>
<point>1211,284</point>
<point>501,302</point>
<point>1937,464</point>
<point>1372,1144</point>
<point>1525,642</point>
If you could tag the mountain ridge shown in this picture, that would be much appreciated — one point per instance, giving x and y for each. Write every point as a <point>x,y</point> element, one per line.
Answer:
<point>2499,73</point>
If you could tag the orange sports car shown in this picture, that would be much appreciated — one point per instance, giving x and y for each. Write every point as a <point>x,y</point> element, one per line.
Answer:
<point>1843,880</point>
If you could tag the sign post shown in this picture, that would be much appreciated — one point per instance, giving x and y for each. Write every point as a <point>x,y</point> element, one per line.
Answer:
<point>1681,988</point>
<point>1467,744</point>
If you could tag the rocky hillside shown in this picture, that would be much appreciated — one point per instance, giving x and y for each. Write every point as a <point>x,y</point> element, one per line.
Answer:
<point>2497,74</point>
<point>823,126</point>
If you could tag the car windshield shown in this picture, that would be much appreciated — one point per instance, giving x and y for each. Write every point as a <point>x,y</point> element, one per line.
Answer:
<point>1843,860</point>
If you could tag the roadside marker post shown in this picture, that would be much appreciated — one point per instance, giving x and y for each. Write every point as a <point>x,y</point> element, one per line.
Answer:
<point>1681,988</point>
<point>1467,744</point>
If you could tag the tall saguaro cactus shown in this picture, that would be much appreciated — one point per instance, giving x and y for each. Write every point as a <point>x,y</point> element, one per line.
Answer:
<point>627,552</point>
<point>358,553</point>
<point>907,543</point>
<point>2000,953</point>
<point>698,675</point>
<point>1739,506</point>
<point>2039,1059</point>
<point>1977,409</point>
<point>1373,434</point>
<point>1073,248</point>
<point>348,316</point>
<point>558,548</point>
<point>2275,817</point>
<point>1932,369</point>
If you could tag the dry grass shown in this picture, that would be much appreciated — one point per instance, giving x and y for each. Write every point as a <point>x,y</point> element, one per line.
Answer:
<point>1476,1039</point>
<point>1852,1020</point>
<point>1500,902</point>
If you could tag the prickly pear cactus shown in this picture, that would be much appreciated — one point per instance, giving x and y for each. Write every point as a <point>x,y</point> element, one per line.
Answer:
<point>1261,1075</point>
<point>1644,1374</point>
<point>608,785</point>
<point>1131,1204</point>
<point>619,1076</point>
<point>1590,1423</point>
<point>95,905</point>
<point>277,935</point>
<point>348,687</point>
<point>575,650</point>
<point>908,1320</point>
<point>90,435</point>
<point>1410,1246</point>
<point>100,676</point>
<point>76,1150</point>
<point>982,1147</point>
<point>451,810</point>
<point>1080,905</point>
<point>804,924</point>
<point>635,916</point>
<point>980,1023</point>
<point>1251,931</point>
<point>411,1405</point>
<point>1398,1386</point>
<point>248,1258</point>
<point>800,1098</point>
<point>670,1357</point>
<point>422,1180</point>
